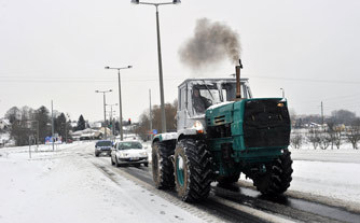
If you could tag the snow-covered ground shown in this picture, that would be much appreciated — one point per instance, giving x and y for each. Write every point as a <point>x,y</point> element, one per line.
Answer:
<point>59,186</point>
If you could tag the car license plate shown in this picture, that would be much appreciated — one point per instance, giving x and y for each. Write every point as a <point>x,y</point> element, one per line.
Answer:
<point>134,158</point>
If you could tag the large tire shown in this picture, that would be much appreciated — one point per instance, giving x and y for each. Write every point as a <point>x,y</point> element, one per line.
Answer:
<point>162,168</point>
<point>278,177</point>
<point>192,170</point>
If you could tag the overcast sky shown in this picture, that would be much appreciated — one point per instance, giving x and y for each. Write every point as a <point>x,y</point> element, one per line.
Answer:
<point>57,50</point>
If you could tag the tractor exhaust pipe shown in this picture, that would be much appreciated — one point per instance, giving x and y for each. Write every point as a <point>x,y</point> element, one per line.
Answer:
<point>238,84</point>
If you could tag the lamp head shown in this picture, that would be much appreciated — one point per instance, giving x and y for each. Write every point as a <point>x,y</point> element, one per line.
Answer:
<point>110,90</point>
<point>107,67</point>
<point>135,1</point>
<point>176,1</point>
<point>96,91</point>
<point>130,66</point>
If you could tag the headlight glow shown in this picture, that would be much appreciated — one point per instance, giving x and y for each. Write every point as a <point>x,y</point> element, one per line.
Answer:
<point>122,155</point>
<point>143,154</point>
<point>199,127</point>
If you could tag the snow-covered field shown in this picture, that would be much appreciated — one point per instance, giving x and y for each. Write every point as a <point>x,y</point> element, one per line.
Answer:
<point>333,174</point>
<point>61,187</point>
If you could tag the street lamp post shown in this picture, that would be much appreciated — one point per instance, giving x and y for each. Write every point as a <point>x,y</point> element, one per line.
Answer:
<point>111,116</point>
<point>120,104</point>
<point>163,116</point>
<point>104,100</point>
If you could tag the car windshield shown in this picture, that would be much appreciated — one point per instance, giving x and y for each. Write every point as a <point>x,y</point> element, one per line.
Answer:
<point>104,143</point>
<point>129,145</point>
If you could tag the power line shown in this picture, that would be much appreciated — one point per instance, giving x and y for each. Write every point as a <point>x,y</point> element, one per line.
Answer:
<point>308,80</point>
<point>56,81</point>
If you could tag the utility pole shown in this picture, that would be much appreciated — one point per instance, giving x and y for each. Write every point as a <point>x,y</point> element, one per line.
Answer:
<point>120,103</point>
<point>104,102</point>
<point>163,115</point>
<point>112,133</point>
<point>111,117</point>
<point>52,125</point>
<point>150,117</point>
<point>161,82</point>
<point>322,113</point>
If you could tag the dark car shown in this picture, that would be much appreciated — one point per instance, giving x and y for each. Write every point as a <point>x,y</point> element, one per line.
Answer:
<point>103,146</point>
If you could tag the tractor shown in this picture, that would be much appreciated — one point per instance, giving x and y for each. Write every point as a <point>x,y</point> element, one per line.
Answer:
<point>228,134</point>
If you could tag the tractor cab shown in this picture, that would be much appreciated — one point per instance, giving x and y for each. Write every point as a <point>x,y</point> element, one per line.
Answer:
<point>197,95</point>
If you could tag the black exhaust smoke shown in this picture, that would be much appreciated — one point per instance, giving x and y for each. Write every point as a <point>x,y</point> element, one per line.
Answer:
<point>211,44</point>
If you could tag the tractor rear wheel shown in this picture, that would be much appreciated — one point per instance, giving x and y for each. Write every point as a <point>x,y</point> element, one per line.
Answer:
<point>162,168</point>
<point>192,170</point>
<point>277,178</point>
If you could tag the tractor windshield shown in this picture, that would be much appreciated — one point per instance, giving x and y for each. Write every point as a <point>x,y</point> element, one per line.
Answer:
<point>228,91</point>
<point>204,96</point>
<point>207,94</point>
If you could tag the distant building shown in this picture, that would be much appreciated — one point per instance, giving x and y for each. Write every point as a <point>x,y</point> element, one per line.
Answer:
<point>88,134</point>
<point>4,123</point>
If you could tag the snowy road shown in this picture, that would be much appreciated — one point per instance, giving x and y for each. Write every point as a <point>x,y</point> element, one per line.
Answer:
<point>71,185</point>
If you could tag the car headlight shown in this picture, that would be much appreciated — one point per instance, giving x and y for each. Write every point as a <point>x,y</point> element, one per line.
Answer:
<point>199,127</point>
<point>122,155</point>
<point>143,154</point>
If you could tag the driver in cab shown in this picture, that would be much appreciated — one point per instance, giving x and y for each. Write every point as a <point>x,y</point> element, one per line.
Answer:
<point>200,103</point>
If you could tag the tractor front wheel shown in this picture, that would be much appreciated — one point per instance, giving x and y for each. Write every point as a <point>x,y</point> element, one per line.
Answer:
<point>162,168</point>
<point>276,180</point>
<point>192,170</point>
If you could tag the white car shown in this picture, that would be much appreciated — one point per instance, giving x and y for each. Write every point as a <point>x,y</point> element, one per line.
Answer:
<point>129,152</point>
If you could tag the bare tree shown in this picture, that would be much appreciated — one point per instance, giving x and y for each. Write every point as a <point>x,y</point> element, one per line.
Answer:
<point>343,117</point>
<point>337,139</point>
<point>314,137</point>
<point>296,139</point>
<point>144,120</point>
<point>144,126</point>
<point>353,133</point>
<point>325,140</point>
<point>43,118</point>
<point>13,114</point>
<point>331,132</point>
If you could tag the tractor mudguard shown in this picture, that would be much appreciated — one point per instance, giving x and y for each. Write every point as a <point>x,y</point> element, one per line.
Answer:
<point>169,136</point>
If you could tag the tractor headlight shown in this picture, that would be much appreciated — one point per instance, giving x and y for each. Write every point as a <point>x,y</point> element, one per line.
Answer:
<point>199,127</point>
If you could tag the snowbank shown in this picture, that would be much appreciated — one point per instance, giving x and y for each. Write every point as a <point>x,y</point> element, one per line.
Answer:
<point>63,186</point>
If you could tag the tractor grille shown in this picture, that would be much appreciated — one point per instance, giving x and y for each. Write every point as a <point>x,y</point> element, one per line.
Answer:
<point>266,124</point>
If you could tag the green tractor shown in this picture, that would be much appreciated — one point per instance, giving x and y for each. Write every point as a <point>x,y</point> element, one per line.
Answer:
<point>223,132</point>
